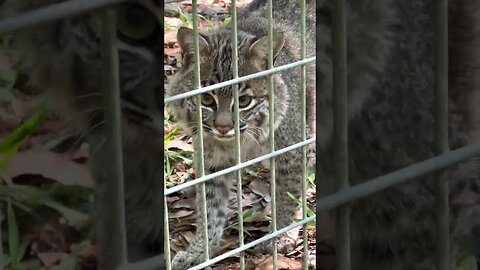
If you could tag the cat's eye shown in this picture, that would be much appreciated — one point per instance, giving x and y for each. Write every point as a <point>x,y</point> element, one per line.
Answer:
<point>208,100</point>
<point>135,21</point>
<point>244,101</point>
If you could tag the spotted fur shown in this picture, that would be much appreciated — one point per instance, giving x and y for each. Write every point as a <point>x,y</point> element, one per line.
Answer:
<point>216,66</point>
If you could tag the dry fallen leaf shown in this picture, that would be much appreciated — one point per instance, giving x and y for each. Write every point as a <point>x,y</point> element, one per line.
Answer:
<point>179,144</point>
<point>181,213</point>
<point>49,165</point>
<point>50,259</point>
<point>5,62</point>
<point>173,22</point>
<point>170,38</point>
<point>188,235</point>
<point>261,188</point>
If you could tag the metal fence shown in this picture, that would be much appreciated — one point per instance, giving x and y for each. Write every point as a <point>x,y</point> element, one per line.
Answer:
<point>202,178</point>
<point>345,194</point>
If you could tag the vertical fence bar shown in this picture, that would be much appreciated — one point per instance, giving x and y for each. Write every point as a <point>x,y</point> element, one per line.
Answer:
<point>238,154</point>
<point>200,170</point>
<point>271,119</point>
<point>441,131</point>
<point>166,249</point>
<point>303,86</point>
<point>113,251</point>
<point>340,133</point>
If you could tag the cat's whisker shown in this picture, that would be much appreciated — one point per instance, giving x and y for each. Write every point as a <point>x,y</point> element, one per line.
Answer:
<point>67,121</point>
<point>87,96</point>
<point>87,132</point>
<point>252,135</point>
<point>93,152</point>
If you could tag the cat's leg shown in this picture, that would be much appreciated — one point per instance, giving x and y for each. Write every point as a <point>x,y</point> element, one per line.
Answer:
<point>217,195</point>
<point>288,180</point>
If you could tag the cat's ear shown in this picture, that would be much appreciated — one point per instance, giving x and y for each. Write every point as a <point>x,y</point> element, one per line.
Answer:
<point>185,39</point>
<point>259,47</point>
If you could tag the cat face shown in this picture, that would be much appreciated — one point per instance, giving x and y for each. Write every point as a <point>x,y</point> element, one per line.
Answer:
<point>215,67</point>
<point>140,33</point>
<point>74,45</point>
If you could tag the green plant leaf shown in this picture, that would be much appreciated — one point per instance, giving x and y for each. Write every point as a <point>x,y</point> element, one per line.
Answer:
<point>4,261</point>
<point>311,179</point>
<point>24,192</point>
<point>10,145</point>
<point>170,134</point>
<point>22,249</point>
<point>44,197</point>
<point>71,191</point>
<point>309,211</point>
<point>13,235</point>
<point>73,217</point>
<point>70,261</point>
<point>30,264</point>
<point>469,263</point>
<point>22,132</point>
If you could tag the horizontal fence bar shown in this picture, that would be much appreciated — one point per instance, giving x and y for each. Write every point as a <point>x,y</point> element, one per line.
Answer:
<point>52,13</point>
<point>239,166</point>
<point>153,263</point>
<point>239,80</point>
<point>397,177</point>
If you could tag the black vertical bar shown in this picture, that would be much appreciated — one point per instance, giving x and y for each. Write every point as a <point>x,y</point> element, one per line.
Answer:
<point>112,252</point>
<point>166,258</point>
<point>441,131</point>
<point>340,129</point>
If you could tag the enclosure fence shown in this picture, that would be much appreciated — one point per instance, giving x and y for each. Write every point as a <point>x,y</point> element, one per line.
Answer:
<point>337,200</point>
<point>202,178</point>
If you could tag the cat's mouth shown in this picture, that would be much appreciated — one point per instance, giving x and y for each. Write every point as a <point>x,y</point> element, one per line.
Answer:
<point>224,135</point>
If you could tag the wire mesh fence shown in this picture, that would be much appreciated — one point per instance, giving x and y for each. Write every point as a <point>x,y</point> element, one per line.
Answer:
<point>345,194</point>
<point>202,178</point>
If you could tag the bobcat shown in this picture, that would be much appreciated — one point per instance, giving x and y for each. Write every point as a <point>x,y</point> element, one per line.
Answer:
<point>390,91</point>
<point>217,111</point>
<point>64,58</point>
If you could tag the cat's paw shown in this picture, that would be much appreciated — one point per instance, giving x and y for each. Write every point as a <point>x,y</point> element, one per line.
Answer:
<point>284,243</point>
<point>183,260</point>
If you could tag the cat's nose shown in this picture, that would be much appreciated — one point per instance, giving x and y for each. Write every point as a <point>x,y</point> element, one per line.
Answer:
<point>223,129</point>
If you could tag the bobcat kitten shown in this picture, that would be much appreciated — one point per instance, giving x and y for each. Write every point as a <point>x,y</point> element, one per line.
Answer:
<point>217,110</point>
<point>390,80</point>
<point>64,58</point>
